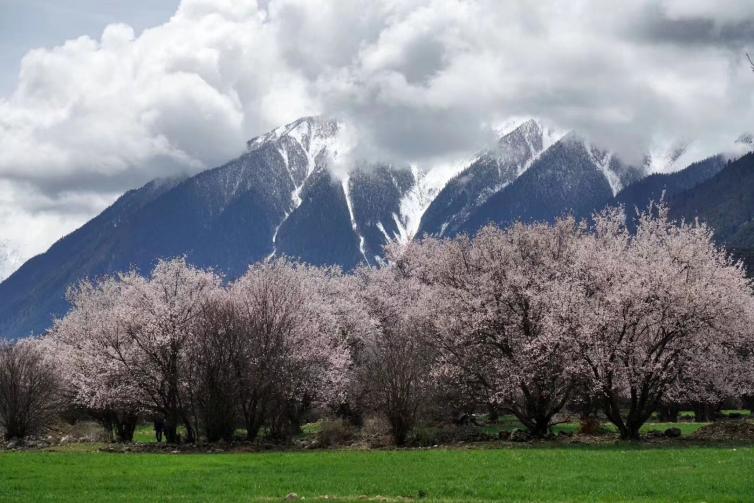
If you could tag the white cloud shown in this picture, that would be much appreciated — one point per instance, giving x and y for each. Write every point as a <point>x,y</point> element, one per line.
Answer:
<point>416,79</point>
<point>10,260</point>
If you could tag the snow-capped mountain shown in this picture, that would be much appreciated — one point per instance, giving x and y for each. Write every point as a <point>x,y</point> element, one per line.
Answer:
<point>297,191</point>
<point>489,173</point>
<point>304,147</point>
<point>277,198</point>
<point>569,177</point>
<point>366,205</point>
<point>532,174</point>
<point>379,202</point>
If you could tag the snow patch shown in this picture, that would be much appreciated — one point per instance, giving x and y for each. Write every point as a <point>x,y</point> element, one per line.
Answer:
<point>427,184</point>
<point>384,232</point>
<point>602,160</point>
<point>347,192</point>
<point>315,137</point>
<point>671,156</point>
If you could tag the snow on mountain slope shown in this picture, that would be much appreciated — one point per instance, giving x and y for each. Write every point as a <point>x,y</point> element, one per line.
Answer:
<point>390,200</point>
<point>349,202</point>
<point>602,160</point>
<point>312,143</point>
<point>670,157</point>
<point>618,174</point>
<point>10,260</point>
<point>564,179</point>
<point>673,156</point>
<point>490,172</point>
<point>427,184</point>
<point>304,146</point>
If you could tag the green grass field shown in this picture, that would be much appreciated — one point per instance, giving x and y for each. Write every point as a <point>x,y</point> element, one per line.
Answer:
<point>572,473</point>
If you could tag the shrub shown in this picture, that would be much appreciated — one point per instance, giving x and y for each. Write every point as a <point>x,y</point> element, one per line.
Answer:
<point>333,433</point>
<point>29,390</point>
<point>376,432</point>
<point>590,425</point>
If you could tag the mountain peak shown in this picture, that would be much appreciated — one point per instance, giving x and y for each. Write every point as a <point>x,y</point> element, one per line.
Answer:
<point>305,130</point>
<point>530,126</point>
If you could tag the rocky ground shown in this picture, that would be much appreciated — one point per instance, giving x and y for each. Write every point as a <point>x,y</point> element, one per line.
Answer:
<point>740,431</point>
<point>89,437</point>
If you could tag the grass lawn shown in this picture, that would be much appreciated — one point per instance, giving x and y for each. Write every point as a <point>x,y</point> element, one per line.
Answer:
<point>564,473</point>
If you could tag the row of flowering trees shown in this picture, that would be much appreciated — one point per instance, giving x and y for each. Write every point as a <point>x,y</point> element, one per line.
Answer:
<point>546,315</point>
<point>182,346</point>
<point>530,320</point>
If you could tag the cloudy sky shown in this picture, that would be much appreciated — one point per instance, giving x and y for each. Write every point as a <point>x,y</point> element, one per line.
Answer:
<point>98,96</point>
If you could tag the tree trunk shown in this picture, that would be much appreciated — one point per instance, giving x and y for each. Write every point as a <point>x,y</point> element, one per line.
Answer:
<point>631,432</point>
<point>400,434</point>
<point>537,426</point>
<point>252,430</point>
<point>400,427</point>
<point>630,429</point>
<point>125,425</point>
<point>15,429</point>
<point>493,414</point>
<point>106,420</point>
<point>749,404</point>
<point>190,433</point>
<point>171,429</point>
<point>630,426</point>
<point>702,413</point>
<point>668,413</point>
<point>254,416</point>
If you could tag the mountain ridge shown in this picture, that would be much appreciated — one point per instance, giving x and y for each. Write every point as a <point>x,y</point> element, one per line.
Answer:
<point>282,197</point>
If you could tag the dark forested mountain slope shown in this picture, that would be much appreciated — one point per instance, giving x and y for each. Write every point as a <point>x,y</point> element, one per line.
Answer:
<point>36,291</point>
<point>726,203</point>
<point>569,177</point>
<point>658,185</point>
<point>487,175</point>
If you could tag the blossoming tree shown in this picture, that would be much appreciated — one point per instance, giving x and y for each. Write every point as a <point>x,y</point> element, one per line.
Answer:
<point>663,306</point>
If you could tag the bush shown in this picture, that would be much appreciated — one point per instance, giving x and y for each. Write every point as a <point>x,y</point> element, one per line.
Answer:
<point>427,436</point>
<point>29,390</point>
<point>590,425</point>
<point>376,432</point>
<point>335,433</point>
